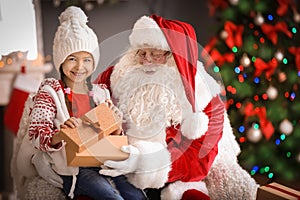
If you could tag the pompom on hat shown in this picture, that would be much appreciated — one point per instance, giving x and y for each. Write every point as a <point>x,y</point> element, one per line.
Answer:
<point>180,38</point>
<point>73,35</point>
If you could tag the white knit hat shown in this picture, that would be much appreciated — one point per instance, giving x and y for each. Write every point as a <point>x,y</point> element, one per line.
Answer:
<point>146,32</point>
<point>73,35</point>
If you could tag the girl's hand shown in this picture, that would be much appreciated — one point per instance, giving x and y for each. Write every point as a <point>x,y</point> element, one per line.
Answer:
<point>72,122</point>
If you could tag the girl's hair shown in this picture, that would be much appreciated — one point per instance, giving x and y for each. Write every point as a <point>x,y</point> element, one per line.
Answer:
<point>69,100</point>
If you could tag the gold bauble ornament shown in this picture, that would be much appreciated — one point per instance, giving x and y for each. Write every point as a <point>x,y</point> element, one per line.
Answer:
<point>279,55</point>
<point>245,60</point>
<point>259,19</point>
<point>254,134</point>
<point>286,127</point>
<point>223,34</point>
<point>272,92</point>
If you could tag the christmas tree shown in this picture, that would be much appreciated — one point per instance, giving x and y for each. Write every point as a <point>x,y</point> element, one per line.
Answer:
<point>257,52</point>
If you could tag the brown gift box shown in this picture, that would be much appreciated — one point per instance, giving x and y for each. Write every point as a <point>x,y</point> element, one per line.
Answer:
<point>106,149</point>
<point>96,139</point>
<point>275,191</point>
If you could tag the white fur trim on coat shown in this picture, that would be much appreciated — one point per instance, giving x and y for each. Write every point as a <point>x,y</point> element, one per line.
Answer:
<point>146,32</point>
<point>154,165</point>
<point>175,190</point>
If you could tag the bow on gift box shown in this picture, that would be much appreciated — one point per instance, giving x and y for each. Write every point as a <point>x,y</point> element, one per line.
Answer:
<point>234,32</point>
<point>261,112</point>
<point>268,68</point>
<point>271,31</point>
<point>296,52</point>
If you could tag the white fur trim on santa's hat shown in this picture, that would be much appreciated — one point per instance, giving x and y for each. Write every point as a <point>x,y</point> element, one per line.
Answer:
<point>194,125</point>
<point>146,33</point>
<point>175,190</point>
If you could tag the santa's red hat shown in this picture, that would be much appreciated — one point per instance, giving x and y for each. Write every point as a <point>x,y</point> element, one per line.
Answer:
<point>179,38</point>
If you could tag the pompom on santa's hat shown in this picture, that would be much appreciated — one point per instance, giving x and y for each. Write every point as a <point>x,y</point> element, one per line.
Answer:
<point>179,38</point>
<point>73,35</point>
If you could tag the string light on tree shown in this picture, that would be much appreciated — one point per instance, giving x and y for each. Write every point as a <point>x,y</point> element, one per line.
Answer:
<point>88,6</point>
<point>254,133</point>
<point>286,127</point>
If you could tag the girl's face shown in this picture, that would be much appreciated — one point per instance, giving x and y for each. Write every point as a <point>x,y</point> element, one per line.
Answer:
<point>78,66</point>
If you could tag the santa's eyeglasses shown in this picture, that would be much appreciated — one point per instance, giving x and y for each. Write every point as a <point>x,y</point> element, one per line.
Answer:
<point>154,54</point>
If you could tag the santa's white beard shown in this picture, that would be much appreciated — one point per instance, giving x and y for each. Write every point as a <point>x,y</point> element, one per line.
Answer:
<point>151,99</point>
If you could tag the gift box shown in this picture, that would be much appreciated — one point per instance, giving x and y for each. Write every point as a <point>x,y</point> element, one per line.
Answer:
<point>96,139</point>
<point>106,149</point>
<point>275,191</point>
<point>94,125</point>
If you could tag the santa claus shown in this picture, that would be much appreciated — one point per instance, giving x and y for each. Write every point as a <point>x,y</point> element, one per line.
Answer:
<point>174,117</point>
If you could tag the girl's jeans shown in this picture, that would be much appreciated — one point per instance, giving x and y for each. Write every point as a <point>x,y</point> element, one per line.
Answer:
<point>91,183</point>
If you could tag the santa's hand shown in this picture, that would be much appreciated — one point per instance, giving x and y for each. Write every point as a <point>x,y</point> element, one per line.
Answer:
<point>117,168</point>
<point>42,163</point>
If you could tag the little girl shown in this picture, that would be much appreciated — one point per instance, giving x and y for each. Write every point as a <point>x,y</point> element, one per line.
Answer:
<point>60,103</point>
